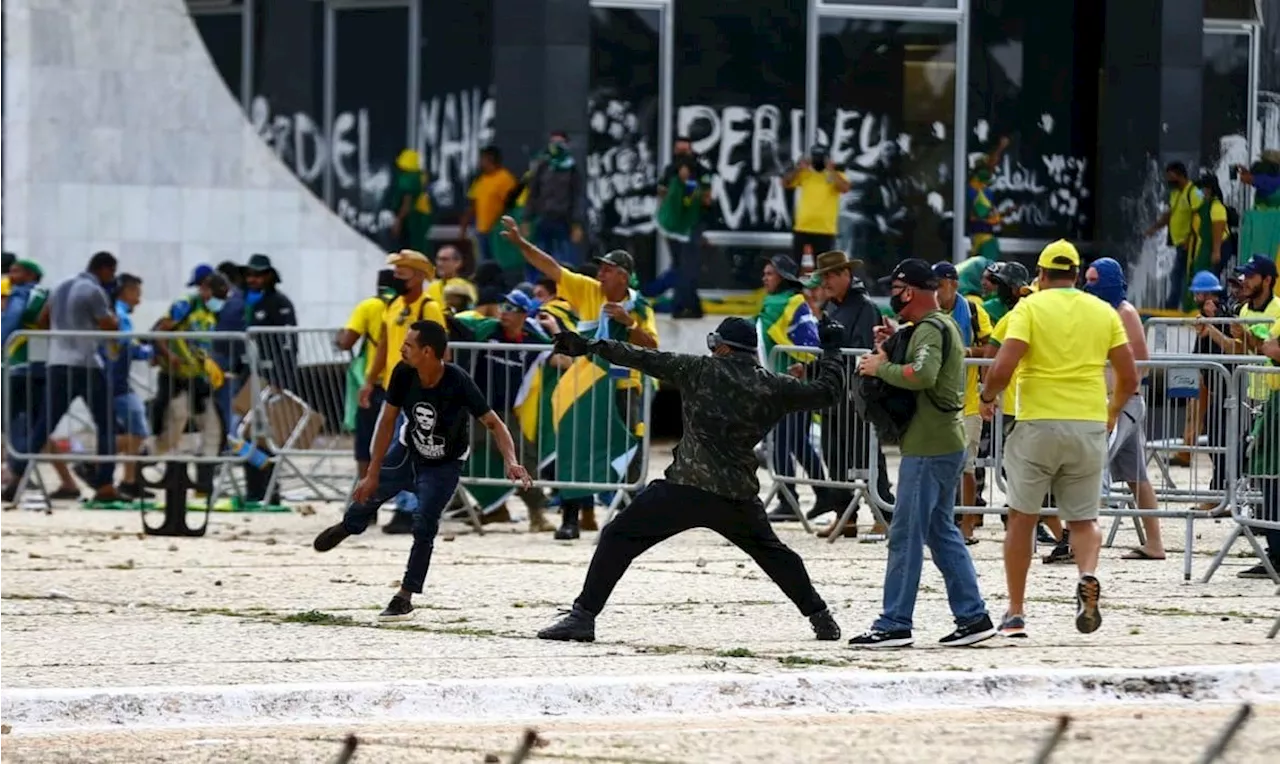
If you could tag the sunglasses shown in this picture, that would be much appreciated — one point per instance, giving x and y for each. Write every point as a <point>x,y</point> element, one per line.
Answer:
<point>509,308</point>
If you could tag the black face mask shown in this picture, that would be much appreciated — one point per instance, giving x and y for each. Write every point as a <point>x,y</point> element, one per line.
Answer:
<point>819,163</point>
<point>1173,185</point>
<point>896,303</point>
<point>399,286</point>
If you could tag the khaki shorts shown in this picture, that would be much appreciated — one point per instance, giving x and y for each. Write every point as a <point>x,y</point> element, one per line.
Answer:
<point>1065,458</point>
<point>972,440</point>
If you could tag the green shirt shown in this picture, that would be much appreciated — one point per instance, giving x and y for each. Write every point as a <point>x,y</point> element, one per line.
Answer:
<point>995,308</point>
<point>939,382</point>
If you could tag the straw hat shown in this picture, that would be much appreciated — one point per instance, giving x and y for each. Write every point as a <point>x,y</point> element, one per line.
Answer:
<point>412,259</point>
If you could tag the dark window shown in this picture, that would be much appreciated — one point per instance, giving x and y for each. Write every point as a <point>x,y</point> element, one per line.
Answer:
<point>739,95</point>
<point>287,107</point>
<point>1234,9</point>
<point>1034,73</point>
<point>1224,120</point>
<point>623,118</point>
<point>370,112</point>
<point>223,36</point>
<point>899,3</point>
<point>886,110</point>
<point>456,112</point>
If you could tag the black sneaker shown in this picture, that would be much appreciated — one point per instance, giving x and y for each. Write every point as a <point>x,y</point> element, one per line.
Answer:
<point>401,522</point>
<point>400,609</point>
<point>1258,571</point>
<point>970,634</point>
<point>567,531</point>
<point>330,537</point>
<point>9,493</point>
<point>825,628</point>
<point>1043,536</point>
<point>577,625</point>
<point>1088,617</point>
<point>879,640</point>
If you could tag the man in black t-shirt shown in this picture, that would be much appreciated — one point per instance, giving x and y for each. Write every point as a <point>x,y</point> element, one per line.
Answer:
<point>426,457</point>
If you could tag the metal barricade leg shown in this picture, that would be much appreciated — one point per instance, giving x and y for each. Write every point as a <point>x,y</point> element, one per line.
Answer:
<point>1188,548</point>
<point>1221,556</point>
<point>176,484</point>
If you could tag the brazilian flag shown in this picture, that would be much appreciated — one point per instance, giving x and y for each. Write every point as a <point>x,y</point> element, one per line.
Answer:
<point>593,444</point>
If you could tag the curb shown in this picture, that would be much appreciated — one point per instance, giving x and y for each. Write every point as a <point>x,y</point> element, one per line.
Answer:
<point>505,700</point>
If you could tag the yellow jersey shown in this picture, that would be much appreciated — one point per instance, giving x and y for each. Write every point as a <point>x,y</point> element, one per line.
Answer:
<point>587,298</point>
<point>1069,335</point>
<point>1183,204</point>
<point>1262,385</point>
<point>817,203</point>
<point>366,321</point>
<point>489,195</point>
<point>981,322</point>
<point>396,320</point>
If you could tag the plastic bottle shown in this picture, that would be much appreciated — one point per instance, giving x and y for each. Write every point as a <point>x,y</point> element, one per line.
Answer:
<point>254,455</point>
<point>806,261</point>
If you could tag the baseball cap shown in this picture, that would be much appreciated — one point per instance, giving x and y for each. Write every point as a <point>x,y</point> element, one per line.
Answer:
<point>913,272</point>
<point>1061,255</point>
<point>620,259</point>
<point>738,333</point>
<point>201,272</point>
<point>520,301</point>
<point>946,270</point>
<point>1258,265</point>
<point>32,266</point>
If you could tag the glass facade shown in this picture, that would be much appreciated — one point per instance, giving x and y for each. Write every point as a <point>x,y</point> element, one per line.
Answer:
<point>624,146</point>
<point>908,96</point>
<point>886,113</point>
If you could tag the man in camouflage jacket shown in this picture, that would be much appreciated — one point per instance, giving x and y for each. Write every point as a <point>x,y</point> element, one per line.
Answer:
<point>728,403</point>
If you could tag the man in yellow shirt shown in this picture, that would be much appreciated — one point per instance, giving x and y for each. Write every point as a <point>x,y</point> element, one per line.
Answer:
<point>820,185</point>
<point>488,200</point>
<point>365,326</point>
<point>1060,340</point>
<point>1184,202</point>
<point>411,271</point>
<point>608,309</point>
<point>449,273</point>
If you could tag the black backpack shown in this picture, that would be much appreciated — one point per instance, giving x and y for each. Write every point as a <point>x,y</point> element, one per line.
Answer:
<point>890,409</point>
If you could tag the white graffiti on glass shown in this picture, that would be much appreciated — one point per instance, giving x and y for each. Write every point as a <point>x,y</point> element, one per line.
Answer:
<point>622,171</point>
<point>750,150</point>
<point>301,143</point>
<point>452,128</point>
<point>1047,193</point>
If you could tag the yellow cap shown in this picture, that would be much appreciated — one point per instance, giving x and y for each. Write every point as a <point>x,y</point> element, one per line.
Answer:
<point>409,161</point>
<point>1061,255</point>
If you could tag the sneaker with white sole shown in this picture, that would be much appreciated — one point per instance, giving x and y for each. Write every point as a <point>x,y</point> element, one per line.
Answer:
<point>876,639</point>
<point>1088,592</point>
<point>970,633</point>
<point>1013,626</point>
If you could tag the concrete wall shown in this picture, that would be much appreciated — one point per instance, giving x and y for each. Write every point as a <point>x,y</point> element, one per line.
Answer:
<point>118,134</point>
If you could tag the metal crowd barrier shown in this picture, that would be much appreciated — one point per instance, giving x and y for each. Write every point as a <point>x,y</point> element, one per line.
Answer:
<point>91,380</point>
<point>309,400</point>
<point>1190,419</point>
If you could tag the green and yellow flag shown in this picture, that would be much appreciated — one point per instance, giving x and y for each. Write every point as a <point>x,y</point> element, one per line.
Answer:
<point>593,444</point>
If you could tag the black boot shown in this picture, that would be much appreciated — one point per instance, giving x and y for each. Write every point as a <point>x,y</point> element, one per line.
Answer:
<point>577,626</point>
<point>330,537</point>
<point>568,530</point>
<point>825,628</point>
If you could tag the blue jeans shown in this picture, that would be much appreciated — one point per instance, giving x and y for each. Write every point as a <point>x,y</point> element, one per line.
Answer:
<point>433,485</point>
<point>791,442</point>
<point>406,501</point>
<point>682,276</point>
<point>925,514</point>
<point>63,385</point>
<point>552,237</point>
<point>224,396</point>
<point>1178,279</point>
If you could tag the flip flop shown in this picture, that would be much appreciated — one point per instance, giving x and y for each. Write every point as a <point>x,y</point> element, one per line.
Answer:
<point>1138,554</point>
<point>970,541</point>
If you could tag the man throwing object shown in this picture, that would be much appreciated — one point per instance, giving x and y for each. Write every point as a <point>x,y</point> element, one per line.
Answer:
<point>729,403</point>
<point>428,455</point>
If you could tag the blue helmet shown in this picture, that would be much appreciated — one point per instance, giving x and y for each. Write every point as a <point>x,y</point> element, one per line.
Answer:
<point>1205,281</point>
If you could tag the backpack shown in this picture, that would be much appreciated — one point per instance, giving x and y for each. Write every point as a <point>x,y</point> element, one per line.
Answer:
<point>890,409</point>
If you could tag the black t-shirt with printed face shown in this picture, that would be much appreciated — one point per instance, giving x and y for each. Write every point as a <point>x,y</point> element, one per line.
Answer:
<point>437,419</point>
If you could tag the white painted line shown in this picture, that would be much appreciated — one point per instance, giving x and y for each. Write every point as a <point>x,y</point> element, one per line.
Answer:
<point>508,700</point>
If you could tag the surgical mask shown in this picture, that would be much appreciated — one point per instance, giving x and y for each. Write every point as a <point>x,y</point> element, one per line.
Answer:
<point>983,175</point>
<point>215,304</point>
<point>253,297</point>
